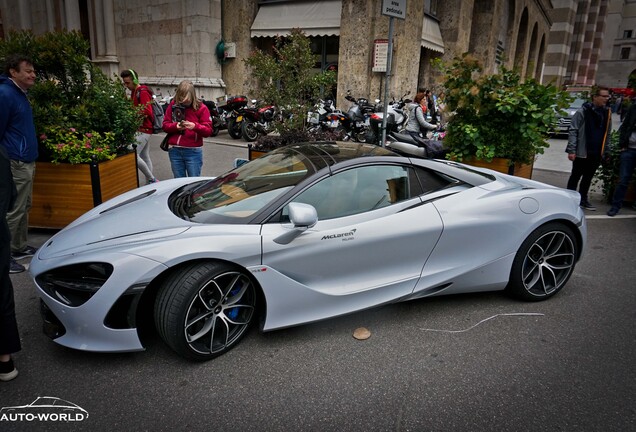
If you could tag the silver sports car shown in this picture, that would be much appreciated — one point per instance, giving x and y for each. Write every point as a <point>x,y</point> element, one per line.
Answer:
<point>304,233</point>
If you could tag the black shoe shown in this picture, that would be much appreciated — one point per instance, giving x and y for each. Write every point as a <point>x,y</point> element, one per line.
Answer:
<point>587,206</point>
<point>7,371</point>
<point>27,252</point>
<point>612,212</point>
<point>16,267</point>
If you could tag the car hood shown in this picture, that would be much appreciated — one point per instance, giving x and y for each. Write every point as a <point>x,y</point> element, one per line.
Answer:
<point>141,214</point>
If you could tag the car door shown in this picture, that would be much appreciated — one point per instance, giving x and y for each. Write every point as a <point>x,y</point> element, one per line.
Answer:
<point>369,246</point>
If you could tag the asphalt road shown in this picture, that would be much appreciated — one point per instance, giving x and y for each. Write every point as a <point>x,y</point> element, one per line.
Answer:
<point>460,363</point>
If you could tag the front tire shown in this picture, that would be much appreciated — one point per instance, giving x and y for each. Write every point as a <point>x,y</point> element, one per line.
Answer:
<point>204,309</point>
<point>234,128</point>
<point>544,262</point>
<point>250,133</point>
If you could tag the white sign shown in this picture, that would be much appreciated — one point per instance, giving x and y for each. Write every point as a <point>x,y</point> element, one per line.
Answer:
<point>394,8</point>
<point>380,54</point>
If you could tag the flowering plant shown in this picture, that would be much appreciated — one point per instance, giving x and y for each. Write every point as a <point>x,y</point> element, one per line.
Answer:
<point>73,146</point>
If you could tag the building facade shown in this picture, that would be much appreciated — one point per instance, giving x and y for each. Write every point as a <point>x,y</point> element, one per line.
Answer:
<point>206,41</point>
<point>618,52</point>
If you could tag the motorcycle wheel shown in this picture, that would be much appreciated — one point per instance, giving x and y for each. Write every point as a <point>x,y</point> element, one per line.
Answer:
<point>360,136</point>
<point>234,129</point>
<point>249,131</point>
<point>215,131</point>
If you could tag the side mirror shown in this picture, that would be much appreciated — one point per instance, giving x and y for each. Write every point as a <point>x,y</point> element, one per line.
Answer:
<point>302,216</point>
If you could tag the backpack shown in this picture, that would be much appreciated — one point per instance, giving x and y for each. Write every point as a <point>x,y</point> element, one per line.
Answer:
<point>157,111</point>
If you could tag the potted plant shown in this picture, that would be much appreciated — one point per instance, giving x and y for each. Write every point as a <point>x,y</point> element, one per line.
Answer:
<point>497,118</point>
<point>85,125</point>
<point>286,79</point>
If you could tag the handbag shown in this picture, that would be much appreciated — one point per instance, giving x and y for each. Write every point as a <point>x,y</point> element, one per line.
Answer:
<point>164,143</point>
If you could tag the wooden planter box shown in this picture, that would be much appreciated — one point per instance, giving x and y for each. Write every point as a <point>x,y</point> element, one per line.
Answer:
<point>501,165</point>
<point>253,154</point>
<point>63,192</point>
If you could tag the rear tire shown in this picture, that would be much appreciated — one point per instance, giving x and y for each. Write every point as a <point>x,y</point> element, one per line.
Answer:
<point>544,262</point>
<point>250,133</point>
<point>204,309</point>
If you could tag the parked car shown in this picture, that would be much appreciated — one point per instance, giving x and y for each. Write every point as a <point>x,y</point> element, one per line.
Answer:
<point>564,117</point>
<point>303,233</point>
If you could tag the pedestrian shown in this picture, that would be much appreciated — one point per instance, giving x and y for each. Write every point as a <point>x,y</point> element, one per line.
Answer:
<point>141,95</point>
<point>417,118</point>
<point>627,144</point>
<point>9,337</point>
<point>187,122</point>
<point>589,131</point>
<point>18,139</point>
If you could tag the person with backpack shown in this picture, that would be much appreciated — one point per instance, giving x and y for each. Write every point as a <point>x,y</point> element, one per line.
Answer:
<point>141,95</point>
<point>417,118</point>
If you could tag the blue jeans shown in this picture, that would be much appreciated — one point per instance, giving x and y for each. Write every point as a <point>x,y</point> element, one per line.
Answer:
<point>186,161</point>
<point>628,163</point>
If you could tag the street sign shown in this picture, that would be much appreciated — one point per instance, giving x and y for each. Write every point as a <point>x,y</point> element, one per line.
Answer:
<point>394,8</point>
<point>380,54</point>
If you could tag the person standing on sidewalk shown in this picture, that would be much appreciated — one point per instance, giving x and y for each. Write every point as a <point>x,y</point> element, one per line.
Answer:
<point>627,143</point>
<point>187,122</point>
<point>18,139</point>
<point>589,131</point>
<point>9,336</point>
<point>141,95</point>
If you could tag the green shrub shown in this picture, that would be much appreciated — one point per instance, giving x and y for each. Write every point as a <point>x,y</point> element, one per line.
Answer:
<point>286,78</point>
<point>71,93</point>
<point>497,115</point>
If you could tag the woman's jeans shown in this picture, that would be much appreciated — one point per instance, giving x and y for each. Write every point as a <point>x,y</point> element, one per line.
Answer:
<point>186,161</point>
<point>628,163</point>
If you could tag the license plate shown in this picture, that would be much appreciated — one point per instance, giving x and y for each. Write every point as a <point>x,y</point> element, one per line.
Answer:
<point>239,118</point>
<point>334,123</point>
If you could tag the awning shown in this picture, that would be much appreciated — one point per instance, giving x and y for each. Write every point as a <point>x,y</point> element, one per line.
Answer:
<point>316,18</point>
<point>431,36</point>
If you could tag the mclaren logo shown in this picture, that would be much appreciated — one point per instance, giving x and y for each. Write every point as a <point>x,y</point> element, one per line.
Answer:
<point>344,236</point>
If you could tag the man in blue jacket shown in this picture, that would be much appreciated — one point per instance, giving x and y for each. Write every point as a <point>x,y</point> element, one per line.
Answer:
<point>17,137</point>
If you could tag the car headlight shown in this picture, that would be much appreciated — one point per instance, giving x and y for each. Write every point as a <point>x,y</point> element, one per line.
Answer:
<point>75,284</point>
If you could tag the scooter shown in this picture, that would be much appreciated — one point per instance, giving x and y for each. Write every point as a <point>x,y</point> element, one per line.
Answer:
<point>404,144</point>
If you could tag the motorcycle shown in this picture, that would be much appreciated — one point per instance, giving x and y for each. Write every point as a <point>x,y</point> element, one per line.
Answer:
<point>404,144</point>
<point>396,121</point>
<point>233,108</point>
<point>217,115</point>
<point>356,122</point>
<point>258,121</point>
<point>317,119</point>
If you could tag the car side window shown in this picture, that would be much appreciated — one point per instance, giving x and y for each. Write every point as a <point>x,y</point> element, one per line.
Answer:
<point>432,181</point>
<point>361,189</point>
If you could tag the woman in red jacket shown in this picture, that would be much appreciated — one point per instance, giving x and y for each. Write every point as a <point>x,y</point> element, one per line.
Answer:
<point>187,122</point>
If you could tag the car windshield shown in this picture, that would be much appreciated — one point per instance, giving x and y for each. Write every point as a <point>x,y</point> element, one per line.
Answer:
<point>577,103</point>
<point>247,189</point>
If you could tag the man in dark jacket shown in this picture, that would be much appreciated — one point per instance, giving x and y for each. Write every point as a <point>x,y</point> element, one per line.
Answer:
<point>589,131</point>
<point>9,337</point>
<point>17,138</point>
<point>627,143</point>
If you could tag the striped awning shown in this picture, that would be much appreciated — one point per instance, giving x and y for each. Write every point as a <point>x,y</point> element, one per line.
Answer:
<point>431,36</point>
<point>316,18</point>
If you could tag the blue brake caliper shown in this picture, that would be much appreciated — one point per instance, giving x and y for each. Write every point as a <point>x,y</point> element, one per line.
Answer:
<point>233,313</point>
